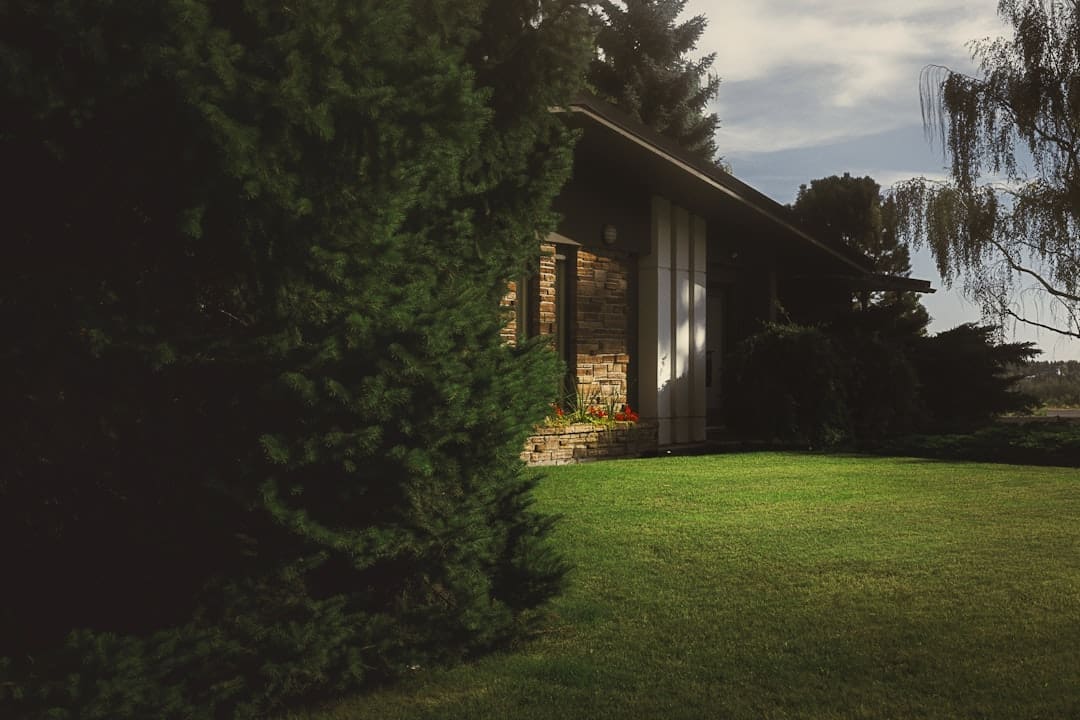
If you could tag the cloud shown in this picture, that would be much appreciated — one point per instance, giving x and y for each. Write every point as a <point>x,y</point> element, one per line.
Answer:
<point>799,74</point>
<point>813,88</point>
<point>887,156</point>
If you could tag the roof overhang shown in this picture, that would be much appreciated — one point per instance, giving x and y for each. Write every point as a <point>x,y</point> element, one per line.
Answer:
<point>893,282</point>
<point>633,149</point>
<point>872,282</point>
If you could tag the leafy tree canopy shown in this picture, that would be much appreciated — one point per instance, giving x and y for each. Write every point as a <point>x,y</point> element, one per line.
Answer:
<point>1008,218</point>
<point>643,67</point>
<point>851,211</point>
<point>1053,383</point>
<point>848,210</point>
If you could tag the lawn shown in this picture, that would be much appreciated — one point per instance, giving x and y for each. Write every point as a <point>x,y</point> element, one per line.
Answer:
<point>789,586</point>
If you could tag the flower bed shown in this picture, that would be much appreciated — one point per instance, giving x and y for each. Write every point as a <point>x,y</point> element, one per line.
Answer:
<point>584,442</point>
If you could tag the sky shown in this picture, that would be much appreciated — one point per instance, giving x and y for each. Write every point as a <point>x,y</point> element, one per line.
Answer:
<point>812,88</point>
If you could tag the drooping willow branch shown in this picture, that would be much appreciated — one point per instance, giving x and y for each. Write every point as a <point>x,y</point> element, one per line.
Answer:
<point>1013,314</point>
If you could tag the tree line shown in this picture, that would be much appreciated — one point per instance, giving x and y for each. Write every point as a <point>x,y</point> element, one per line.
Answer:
<point>1054,383</point>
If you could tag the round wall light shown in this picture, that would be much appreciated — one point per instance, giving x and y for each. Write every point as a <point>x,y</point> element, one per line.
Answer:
<point>610,234</point>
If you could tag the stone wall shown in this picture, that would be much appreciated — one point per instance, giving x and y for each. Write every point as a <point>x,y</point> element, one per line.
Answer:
<point>602,351</point>
<point>586,442</point>
<point>603,307</point>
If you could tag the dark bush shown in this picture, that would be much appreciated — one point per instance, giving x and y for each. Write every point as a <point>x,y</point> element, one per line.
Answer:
<point>966,378</point>
<point>865,379</point>
<point>884,394</point>
<point>1028,443</point>
<point>789,383</point>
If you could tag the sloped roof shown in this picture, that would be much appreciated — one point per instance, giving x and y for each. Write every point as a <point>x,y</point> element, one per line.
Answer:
<point>713,191</point>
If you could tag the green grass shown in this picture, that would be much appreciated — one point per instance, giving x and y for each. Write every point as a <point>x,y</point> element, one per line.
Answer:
<point>789,586</point>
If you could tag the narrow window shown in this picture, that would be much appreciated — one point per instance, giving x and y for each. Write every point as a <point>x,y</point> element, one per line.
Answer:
<point>565,315</point>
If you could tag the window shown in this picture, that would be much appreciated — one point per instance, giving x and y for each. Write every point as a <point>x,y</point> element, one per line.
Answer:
<point>565,314</point>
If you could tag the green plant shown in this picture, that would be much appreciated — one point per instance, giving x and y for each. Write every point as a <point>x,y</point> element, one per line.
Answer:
<point>865,378</point>
<point>789,382</point>
<point>1043,442</point>
<point>593,404</point>
<point>968,377</point>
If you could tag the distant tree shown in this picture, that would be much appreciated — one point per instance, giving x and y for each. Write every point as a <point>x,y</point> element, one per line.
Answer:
<point>1008,218</point>
<point>263,434</point>
<point>1052,383</point>
<point>850,211</point>
<point>643,67</point>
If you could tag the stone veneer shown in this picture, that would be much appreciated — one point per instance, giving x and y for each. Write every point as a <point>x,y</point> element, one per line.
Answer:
<point>603,307</point>
<point>602,351</point>
<point>602,354</point>
<point>584,442</point>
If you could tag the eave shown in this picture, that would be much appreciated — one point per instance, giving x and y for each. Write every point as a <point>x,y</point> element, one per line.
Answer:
<point>708,190</point>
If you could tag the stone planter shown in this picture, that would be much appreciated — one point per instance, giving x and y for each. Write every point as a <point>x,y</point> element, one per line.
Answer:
<point>584,442</point>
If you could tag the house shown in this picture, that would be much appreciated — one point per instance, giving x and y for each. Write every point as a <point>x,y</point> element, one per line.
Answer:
<point>661,263</point>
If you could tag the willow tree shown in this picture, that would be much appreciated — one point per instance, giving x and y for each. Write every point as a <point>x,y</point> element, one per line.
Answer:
<point>1007,220</point>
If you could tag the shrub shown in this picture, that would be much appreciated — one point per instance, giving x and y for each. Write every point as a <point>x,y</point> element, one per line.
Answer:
<point>966,378</point>
<point>862,381</point>
<point>1029,443</point>
<point>789,382</point>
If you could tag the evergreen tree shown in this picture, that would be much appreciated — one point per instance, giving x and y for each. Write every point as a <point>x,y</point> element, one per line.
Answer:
<point>265,432</point>
<point>968,377</point>
<point>643,67</point>
<point>881,333</point>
